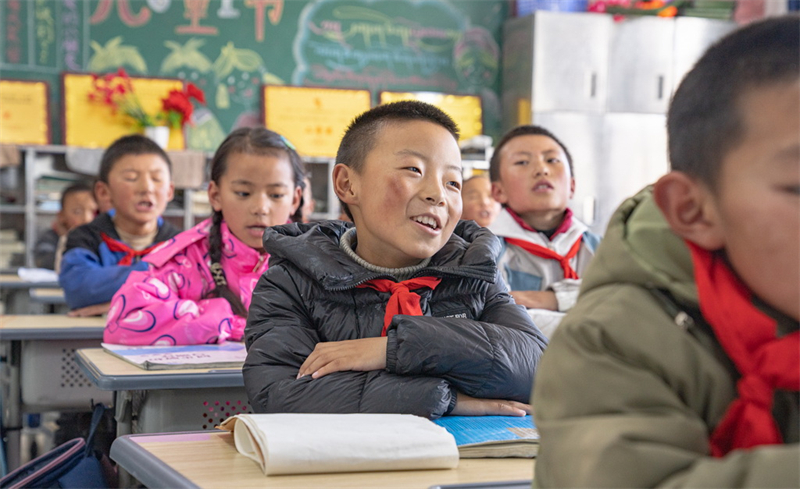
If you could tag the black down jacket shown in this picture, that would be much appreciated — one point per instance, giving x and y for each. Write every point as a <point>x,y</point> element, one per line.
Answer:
<point>472,337</point>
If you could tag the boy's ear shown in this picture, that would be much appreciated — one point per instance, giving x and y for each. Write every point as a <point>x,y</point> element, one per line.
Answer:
<point>571,187</point>
<point>345,184</point>
<point>690,209</point>
<point>213,196</point>
<point>499,192</point>
<point>171,193</point>
<point>102,191</point>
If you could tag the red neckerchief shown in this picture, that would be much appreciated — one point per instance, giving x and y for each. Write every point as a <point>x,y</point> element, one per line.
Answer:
<point>566,222</point>
<point>402,301</point>
<point>749,338</point>
<point>130,253</point>
<point>545,252</point>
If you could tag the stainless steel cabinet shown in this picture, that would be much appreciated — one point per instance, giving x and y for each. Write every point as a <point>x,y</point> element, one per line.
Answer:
<point>604,89</point>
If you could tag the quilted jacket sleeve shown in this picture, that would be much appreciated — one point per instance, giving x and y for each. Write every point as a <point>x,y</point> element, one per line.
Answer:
<point>280,336</point>
<point>494,357</point>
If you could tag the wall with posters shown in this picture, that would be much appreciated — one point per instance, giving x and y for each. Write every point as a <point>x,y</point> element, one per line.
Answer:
<point>230,47</point>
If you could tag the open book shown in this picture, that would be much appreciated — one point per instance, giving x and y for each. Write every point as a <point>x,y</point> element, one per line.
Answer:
<point>320,443</point>
<point>493,436</point>
<point>223,355</point>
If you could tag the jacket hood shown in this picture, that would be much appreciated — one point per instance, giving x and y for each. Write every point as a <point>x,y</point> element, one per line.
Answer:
<point>640,248</point>
<point>472,251</point>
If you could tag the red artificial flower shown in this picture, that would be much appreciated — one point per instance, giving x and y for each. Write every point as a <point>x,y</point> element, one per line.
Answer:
<point>195,93</point>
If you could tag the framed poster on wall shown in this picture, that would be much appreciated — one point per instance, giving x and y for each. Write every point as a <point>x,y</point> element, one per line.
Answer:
<point>464,109</point>
<point>92,124</point>
<point>314,119</point>
<point>24,112</point>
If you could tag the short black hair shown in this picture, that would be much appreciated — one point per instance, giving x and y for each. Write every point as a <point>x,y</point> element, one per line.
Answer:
<point>705,121</point>
<point>134,144</point>
<point>361,134</point>
<point>75,188</point>
<point>529,129</point>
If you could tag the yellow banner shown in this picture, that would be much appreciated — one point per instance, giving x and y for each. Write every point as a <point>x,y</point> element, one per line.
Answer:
<point>24,117</point>
<point>92,124</point>
<point>465,110</point>
<point>313,119</point>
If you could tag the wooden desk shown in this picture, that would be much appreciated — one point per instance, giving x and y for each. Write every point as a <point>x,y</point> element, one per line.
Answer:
<point>44,330</point>
<point>177,400</point>
<point>16,296</point>
<point>210,460</point>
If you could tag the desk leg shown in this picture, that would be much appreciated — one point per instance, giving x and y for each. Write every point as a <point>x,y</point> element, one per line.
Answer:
<point>12,418</point>
<point>123,415</point>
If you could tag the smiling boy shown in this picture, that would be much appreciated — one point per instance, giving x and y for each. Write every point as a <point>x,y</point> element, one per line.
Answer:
<point>135,176</point>
<point>405,312</point>
<point>547,248</point>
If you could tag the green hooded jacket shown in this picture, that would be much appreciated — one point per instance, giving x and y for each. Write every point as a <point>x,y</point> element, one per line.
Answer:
<point>633,381</point>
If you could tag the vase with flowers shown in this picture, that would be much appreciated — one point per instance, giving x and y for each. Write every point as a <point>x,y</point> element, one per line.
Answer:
<point>116,91</point>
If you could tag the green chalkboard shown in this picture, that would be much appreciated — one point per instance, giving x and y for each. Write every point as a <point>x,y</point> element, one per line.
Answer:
<point>229,48</point>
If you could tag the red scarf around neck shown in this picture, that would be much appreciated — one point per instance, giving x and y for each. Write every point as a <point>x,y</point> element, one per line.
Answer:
<point>749,337</point>
<point>402,301</point>
<point>130,253</point>
<point>544,252</point>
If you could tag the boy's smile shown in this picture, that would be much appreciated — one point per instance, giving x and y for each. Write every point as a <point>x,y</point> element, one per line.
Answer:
<point>406,200</point>
<point>535,180</point>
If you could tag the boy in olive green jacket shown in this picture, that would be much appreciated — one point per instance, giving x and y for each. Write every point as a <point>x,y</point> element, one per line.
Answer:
<point>679,366</point>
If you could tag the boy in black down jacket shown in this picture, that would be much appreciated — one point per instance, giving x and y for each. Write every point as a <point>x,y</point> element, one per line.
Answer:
<point>334,325</point>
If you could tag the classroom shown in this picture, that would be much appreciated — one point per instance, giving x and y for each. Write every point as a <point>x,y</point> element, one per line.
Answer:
<point>407,243</point>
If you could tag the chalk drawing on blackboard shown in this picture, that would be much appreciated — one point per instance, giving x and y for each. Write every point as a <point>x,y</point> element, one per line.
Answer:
<point>206,132</point>
<point>239,74</point>
<point>476,58</point>
<point>186,56</point>
<point>115,54</point>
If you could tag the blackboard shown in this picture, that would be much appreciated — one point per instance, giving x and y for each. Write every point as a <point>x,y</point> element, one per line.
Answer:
<point>230,48</point>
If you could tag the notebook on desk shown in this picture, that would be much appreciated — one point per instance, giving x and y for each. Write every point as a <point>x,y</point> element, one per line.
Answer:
<point>223,355</point>
<point>492,436</point>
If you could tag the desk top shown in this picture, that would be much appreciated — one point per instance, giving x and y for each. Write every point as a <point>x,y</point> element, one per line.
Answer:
<point>112,373</point>
<point>210,460</point>
<point>48,296</point>
<point>12,281</point>
<point>50,327</point>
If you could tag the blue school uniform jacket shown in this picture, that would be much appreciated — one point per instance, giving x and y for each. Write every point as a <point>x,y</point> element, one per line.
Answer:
<point>90,271</point>
<point>471,338</point>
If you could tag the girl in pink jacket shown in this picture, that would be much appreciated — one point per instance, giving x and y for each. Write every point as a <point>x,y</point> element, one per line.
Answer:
<point>199,284</point>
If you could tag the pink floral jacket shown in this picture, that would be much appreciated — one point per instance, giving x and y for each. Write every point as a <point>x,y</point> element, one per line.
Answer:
<point>164,304</point>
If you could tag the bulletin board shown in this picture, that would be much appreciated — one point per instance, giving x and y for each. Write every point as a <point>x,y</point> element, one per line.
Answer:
<point>464,109</point>
<point>24,112</point>
<point>93,125</point>
<point>313,119</point>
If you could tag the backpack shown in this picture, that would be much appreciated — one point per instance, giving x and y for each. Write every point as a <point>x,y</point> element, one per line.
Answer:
<point>73,464</point>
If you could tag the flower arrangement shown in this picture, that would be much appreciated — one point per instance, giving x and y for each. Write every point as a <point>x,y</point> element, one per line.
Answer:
<point>116,91</point>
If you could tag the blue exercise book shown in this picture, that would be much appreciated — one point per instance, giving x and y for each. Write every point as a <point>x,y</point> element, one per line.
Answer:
<point>223,355</point>
<point>492,436</point>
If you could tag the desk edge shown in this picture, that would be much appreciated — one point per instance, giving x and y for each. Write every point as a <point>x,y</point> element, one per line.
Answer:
<point>146,467</point>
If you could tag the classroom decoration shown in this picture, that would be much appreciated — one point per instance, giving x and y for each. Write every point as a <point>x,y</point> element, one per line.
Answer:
<point>119,105</point>
<point>464,109</point>
<point>24,112</point>
<point>313,119</point>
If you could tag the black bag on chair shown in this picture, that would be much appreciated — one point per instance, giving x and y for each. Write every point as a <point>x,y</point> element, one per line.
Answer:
<point>73,464</point>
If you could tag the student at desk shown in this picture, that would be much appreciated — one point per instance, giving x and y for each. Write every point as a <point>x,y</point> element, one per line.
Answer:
<point>334,325</point>
<point>546,248</point>
<point>135,173</point>
<point>198,287</point>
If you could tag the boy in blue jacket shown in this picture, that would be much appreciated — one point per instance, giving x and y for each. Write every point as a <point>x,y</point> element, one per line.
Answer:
<point>135,175</point>
<point>405,312</point>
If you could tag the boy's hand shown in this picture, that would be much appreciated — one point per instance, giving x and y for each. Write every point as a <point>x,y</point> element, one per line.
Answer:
<point>336,356</point>
<point>94,310</point>
<point>470,406</point>
<point>536,299</point>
